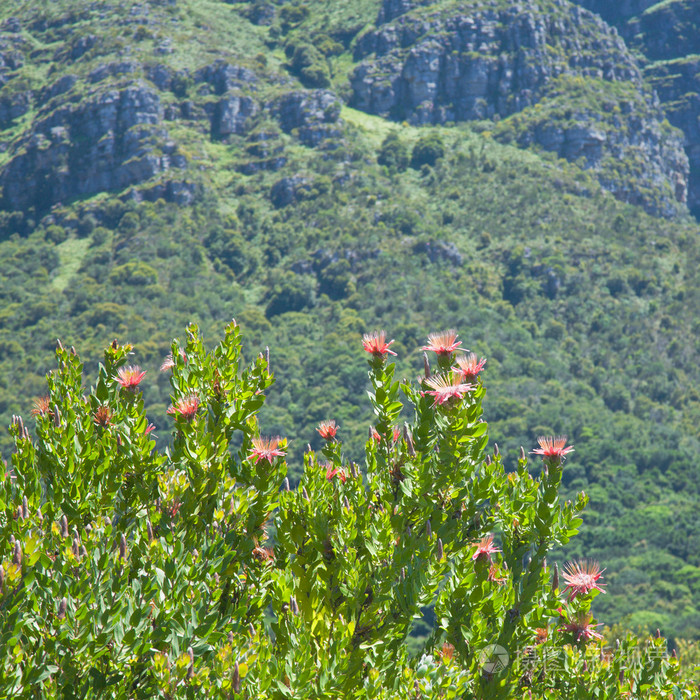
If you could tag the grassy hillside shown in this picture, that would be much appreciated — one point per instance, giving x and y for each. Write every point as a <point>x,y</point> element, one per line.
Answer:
<point>310,235</point>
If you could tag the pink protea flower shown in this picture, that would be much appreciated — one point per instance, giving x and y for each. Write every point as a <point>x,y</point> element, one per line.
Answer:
<point>582,577</point>
<point>327,429</point>
<point>469,366</point>
<point>130,377</point>
<point>375,344</point>
<point>443,343</point>
<point>169,361</point>
<point>378,438</point>
<point>266,449</point>
<point>445,387</point>
<point>485,549</point>
<point>552,449</point>
<point>185,407</point>
<point>582,628</point>
<point>332,471</point>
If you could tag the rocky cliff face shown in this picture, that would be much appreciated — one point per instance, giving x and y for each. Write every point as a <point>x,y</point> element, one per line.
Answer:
<point>480,60</point>
<point>668,35</point>
<point>678,86</point>
<point>106,126</point>
<point>112,140</point>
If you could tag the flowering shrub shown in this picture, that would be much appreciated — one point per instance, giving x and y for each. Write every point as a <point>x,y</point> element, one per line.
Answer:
<point>199,572</point>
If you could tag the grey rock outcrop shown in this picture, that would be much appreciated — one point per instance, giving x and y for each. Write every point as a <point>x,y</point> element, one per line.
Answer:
<point>678,86</point>
<point>313,113</point>
<point>433,64</point>
<point>109,142</point>
<point>231,114</point>
<point>447,66</point>
<point>222,76</point>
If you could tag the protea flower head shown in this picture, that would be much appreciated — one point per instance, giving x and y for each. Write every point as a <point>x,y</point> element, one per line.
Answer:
<point>582,628</point>
<point>376,344</point>
<point>552,449</point>
<point>582,577</point>
<point>327,429</point>
<point>469,366</point>
<point>332,471</point>
<point>130,377</point>
<point>485,549</point>
<point>266,449</point>
<point>185,407</point>
<point>444,387</point>
<point>443,343</point>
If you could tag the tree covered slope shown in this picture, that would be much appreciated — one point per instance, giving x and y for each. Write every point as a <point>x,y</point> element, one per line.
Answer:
<point>308,169</point>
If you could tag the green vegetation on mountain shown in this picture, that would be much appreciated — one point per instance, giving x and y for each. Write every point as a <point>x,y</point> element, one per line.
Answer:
<point>168,162</point>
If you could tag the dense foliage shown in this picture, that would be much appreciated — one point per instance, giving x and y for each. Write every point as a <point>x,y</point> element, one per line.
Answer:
<point>584,306</point>
<point>131,572</point>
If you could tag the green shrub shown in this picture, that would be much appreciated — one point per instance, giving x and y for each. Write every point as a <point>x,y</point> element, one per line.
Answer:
<point>199,571</point>
<point>393,152</point>
<point>427,151</point>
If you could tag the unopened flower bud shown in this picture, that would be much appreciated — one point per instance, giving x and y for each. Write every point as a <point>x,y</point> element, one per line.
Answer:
<point>304,493</point>
<point>426,366</point>
<point>488,460</point>
<point>522,453</point>
<point>658,633</point>
<point>230,638</point>
<point>62,607</point>
<point>673,654</point>
<point>149,530</point>
<point>496,452</point>
<point>76,548</point>
<point>251,630</point>
<point>555,579</point>
<point>293,606</point>
<point>286,484</point>
<point>190,670</point>
<point>440,551</point>
<point>346,503</point>
<point>622,675</point>
<point>428,529</point>
<point>353,471</point>
<point>122,547</point>
<point>236,679</point>
<point>409,441</point>
<point>83,551</point>
<point>25,508</point>
<point>585,666</point>
<point>17,555</point>
<point>267,357</point>
<point>64,527</point>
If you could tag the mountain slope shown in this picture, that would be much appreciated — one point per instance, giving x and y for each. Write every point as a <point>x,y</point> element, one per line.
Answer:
<point>191,160</point>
